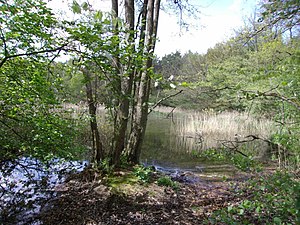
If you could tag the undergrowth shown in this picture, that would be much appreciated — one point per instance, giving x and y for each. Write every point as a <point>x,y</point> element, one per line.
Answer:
<point>271,199</point>
<point>222,155</point>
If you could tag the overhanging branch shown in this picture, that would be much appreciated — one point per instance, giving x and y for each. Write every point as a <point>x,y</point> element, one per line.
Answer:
<point>163,99</point>
<point>270,93</point>
<point>31,53</point>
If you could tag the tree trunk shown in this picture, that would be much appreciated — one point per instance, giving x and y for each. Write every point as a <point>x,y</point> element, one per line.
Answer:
<point>97,144</point>
<point>126,80</point>
<point>140,107</point>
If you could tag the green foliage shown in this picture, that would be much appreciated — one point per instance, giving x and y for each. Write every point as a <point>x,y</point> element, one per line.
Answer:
<point>245,164</point>
<point>105,166</point>
<point>255,71</point>
<point>26,26</point>
<point>31,123</point>
<point>118,183</point>
<point>272,200</point>
<point>224,155</point>
<point>167,182</point>
<point>284,13</point>
<point>170,64</point>
<point>72,82</point>
<point>143,173</point>
<point>31,119</point>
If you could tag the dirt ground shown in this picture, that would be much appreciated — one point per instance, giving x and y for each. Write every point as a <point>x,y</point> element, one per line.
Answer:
<point>91,201</point>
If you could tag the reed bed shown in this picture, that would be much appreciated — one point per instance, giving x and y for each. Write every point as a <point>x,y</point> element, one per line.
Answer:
<point>211,129</point>
<point>228,125</point>
<point>79,113</point>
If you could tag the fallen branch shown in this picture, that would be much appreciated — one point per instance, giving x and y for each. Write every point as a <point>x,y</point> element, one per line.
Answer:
<point>278,146</point>
<point>234,144</point>
<point>233,147</point>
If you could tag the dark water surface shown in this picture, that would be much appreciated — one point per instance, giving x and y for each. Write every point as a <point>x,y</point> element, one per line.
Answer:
<point>170,150</point>
<point>26,186</point>
<point>164,148</point>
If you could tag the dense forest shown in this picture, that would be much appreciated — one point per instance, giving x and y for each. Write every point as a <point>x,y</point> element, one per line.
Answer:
<point>83,89</point>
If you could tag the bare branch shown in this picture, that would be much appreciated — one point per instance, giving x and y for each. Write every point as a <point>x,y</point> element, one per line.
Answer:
<point>31,53</point>
<point>163,99</point>
<point>4,44</point>
<point>273,94</point>
<point>13,130</point>
<point>233,146</point>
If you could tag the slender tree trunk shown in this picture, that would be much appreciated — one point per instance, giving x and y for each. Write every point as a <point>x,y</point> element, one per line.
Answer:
<point>115,7</point>
<point>126,80</point>
<point>140,112</point>
<point>97,144</point>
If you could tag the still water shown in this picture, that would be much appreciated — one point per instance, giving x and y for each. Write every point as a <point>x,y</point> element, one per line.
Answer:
<point>173,142</point>
<point>163,148</point>
<point>27,185</point>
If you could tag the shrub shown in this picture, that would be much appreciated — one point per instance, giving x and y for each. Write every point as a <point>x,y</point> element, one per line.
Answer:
<point>143,173</point>
<point>271,199</point>
<point>167,182</point>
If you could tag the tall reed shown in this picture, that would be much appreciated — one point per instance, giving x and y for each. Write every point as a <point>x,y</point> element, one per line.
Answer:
<point>211,128</point>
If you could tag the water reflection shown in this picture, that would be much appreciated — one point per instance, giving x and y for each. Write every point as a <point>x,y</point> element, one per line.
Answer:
<point>163,148</point>
<point>172,142</point>
<point>27,183</point>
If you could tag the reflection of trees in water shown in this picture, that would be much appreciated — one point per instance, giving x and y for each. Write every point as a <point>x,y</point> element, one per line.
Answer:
<point>183,144</point>
<point>174,140</point>
<point>26,185</point>
<point>200,131</point>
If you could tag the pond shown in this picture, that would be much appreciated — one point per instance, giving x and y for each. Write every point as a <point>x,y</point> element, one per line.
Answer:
<point>174,139</point>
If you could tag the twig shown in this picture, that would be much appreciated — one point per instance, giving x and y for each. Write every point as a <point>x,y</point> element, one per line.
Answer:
<point>273,94</point>
<point>170,114</point>
<point>163,99</point>
<point>270,93</point>
<point>31,53</point>
<point>234,148</point>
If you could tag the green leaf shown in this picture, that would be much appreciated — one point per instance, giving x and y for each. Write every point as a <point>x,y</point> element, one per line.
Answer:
<point>277,220</point>
<point>241,211</point>
<point>98,15</point>
<point>258,209</point>
<point>184,84</point>
<point>76,7</point>
<point>85,6</point>
<point>262,188</point>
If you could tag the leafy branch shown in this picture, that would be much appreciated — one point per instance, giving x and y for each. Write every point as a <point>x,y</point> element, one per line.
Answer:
<point>270,93</point>
<point>31,53</point>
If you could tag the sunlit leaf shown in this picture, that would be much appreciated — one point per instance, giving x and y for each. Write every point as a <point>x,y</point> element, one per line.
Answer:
<point>85,6</point>
<point>76,7</point>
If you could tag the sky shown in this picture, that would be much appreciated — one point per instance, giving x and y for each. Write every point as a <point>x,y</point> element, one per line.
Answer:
<point>217,20</point>
<point>215,24</point>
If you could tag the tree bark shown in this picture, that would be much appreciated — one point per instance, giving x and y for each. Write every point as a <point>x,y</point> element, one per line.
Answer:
<point>96,140</point>
<point>140,111</point>
<point>126,80</point>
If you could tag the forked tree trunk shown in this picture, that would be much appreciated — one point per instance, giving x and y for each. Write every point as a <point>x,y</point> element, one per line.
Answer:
<point>135,94</point>
<point>140,106</point>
